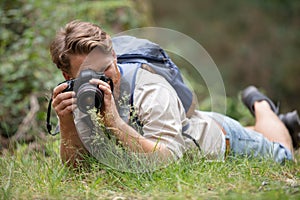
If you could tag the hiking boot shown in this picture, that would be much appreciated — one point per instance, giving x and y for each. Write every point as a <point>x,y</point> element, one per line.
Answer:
<point>251,94</point>
<point>292,123</point>
<point>290,120</point>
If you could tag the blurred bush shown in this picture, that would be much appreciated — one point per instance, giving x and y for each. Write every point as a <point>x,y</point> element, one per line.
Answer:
<point>27,74</point>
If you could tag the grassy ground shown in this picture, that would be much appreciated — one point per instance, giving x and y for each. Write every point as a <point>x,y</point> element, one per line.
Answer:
<point>36,176</point>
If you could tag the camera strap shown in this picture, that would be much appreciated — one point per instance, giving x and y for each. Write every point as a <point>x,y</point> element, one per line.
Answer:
<point>48,122</point>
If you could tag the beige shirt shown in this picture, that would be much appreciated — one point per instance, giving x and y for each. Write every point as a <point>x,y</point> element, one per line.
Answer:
<point>163,117</point>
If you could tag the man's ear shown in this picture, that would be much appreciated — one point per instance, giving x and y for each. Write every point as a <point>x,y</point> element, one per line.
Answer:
<point>114,54</point>
<point>66,75</point>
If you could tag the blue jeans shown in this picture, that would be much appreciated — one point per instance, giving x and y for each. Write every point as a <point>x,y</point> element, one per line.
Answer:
<point>248,142</point>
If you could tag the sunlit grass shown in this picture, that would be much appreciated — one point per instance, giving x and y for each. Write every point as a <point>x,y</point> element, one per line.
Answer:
<point>37,176</point>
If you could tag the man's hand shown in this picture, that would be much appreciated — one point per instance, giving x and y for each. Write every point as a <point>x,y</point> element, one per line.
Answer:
<point>63,103</point>
<point>109,111</point>
<point>71,147</point>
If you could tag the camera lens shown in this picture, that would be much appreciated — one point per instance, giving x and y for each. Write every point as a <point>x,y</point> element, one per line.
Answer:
<point>89,97</point>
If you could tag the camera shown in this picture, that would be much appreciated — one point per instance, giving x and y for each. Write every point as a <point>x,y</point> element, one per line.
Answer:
<point>88,96</point>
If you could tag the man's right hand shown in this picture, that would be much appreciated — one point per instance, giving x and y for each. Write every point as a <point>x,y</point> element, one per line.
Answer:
<point>71,147</point>
<point>63,103</point>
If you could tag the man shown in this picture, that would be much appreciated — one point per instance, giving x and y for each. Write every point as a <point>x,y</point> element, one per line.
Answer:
<point>82,45</point>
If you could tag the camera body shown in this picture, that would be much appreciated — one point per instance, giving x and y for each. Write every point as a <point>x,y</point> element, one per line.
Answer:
<point>88,95</point>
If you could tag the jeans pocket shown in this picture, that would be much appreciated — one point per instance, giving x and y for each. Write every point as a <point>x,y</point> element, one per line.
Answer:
<point>247,139</point>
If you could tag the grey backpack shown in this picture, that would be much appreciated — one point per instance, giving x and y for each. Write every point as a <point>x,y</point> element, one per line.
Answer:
<point>133,53</point>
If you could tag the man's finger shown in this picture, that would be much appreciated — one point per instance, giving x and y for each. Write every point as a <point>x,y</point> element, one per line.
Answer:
<point>58,89</point>
<point>61,97</point>
<point>99,82</point>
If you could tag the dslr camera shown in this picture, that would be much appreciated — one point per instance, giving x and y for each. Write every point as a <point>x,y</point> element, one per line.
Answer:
<point>88,96</point>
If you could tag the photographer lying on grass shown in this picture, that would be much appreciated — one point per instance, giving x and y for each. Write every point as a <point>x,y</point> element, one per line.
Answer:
<point>167,128</point>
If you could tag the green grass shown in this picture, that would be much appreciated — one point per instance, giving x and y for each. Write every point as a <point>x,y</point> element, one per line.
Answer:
<point>36,176</point>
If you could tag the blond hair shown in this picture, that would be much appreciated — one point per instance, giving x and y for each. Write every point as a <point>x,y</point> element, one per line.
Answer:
<point>78,38</point>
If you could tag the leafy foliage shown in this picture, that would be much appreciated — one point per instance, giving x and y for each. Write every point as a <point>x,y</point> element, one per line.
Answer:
<point>27,28</point>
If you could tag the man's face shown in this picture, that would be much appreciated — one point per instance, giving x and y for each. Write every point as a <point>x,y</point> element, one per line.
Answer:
<point>96,61</point>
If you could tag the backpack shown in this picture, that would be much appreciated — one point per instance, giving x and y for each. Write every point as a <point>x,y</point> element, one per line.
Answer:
<point>134,53</point>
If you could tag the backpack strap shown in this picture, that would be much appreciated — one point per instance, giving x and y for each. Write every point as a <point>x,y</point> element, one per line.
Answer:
<point>128,72</point>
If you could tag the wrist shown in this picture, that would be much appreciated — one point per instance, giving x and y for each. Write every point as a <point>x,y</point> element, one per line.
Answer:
<point>67,126</point>
<point>117,123</point>
<point>67,119</point>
